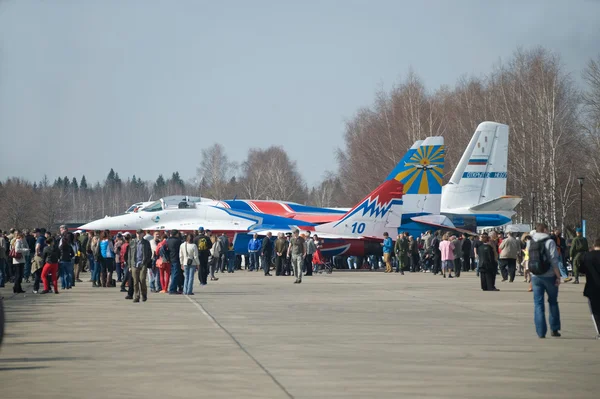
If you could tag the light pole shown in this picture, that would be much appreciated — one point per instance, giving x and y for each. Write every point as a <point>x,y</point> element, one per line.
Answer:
<point>532,210</point>
<point>580,180</point>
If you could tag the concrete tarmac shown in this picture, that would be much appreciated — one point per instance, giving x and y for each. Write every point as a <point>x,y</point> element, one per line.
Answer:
<point>345,335</point>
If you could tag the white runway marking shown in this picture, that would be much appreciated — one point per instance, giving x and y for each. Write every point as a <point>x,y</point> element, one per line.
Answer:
<point>204,312</point>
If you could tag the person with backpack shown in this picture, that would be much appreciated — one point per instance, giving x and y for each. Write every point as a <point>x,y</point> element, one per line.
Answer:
<point>590,265</point>
<point>545,278</point>
<point>204,245</point>
<point>579,246</point>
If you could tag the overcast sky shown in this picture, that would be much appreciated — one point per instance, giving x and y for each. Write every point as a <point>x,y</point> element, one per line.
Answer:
<point>141,86</point>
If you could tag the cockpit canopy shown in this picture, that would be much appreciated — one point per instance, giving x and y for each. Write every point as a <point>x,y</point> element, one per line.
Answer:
<point>175,202</point>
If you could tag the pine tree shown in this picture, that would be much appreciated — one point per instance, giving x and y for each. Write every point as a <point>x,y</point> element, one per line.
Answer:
<point>110,179</point>
<point>74,183</point>
<point>176,179</point>
<point>160,183</point>
<point>66,182</point>
<point>83,184</point>
<point>58,182</point>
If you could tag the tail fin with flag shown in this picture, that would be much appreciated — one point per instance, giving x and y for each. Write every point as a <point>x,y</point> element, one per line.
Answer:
<point>377,213</point>
<point>480,176</point>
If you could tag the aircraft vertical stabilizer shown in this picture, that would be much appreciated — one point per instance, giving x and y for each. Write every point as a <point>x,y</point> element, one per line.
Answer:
<point>377,213</point>
<point>421,175</point>
<point>481,174</point>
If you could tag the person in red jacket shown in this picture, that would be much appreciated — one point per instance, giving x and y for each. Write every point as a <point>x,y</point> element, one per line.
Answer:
<point>163,264</point>
<point>50,256</point>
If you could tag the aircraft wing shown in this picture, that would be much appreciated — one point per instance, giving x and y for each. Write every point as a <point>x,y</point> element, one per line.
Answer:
<point>303,229</point>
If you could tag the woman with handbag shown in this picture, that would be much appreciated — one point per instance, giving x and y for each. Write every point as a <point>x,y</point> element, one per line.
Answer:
<point>188,256</point>
<point>18,252</point>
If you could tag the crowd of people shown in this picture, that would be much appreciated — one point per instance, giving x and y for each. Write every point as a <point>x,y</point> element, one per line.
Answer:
<point>167,262</point>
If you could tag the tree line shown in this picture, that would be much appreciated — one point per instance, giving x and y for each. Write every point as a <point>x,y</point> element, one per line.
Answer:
<point>554,140</point>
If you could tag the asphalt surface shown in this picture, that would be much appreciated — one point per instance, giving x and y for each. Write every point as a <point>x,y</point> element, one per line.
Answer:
<point>346,335</point>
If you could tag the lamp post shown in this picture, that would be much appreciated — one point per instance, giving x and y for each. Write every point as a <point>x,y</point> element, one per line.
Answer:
<point>532,210</point>
<point>580,180</point>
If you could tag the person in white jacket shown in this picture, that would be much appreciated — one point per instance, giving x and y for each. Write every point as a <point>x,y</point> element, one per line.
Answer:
<point>21,250</point>
<point>188,256</point>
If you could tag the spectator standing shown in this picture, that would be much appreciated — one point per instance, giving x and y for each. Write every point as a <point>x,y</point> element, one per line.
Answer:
<point>509,252</point>
<point>204,245</point>
<point>297,251</point>
<point>579,246</point>
<point>254,247</point>
<point>140,258</point>
<point>267,253</point>
<point>20,250</point>
<point>3,258</point>
<point>188,256</point>
<point>173,244</point>
<point>590,265</point>
<point>50,257</point>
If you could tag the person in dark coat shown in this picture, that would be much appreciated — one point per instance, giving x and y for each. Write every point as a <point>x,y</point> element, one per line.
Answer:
<point>487,264</point>
<point>590,266</point>
<point>266,252</point>
<point>466,254</point>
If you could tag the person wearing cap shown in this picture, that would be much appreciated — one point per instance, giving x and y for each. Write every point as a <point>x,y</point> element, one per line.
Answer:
<point>297,252</point>
<point>579,246</point>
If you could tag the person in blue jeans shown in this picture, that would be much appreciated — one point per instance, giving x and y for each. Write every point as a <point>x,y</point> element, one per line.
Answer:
<point>548,283</point>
